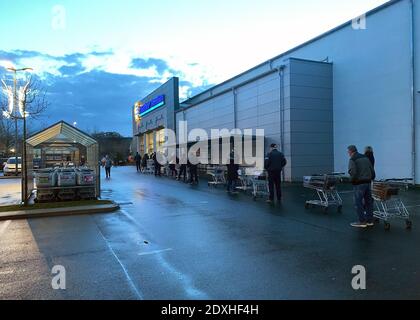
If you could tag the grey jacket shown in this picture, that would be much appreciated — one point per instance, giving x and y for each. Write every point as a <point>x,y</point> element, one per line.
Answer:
<point>361,170</point>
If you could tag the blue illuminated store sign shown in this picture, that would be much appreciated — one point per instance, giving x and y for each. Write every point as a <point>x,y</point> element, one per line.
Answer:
<point>152,105</point>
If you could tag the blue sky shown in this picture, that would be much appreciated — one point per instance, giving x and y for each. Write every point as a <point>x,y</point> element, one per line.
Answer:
<point>99,57</point>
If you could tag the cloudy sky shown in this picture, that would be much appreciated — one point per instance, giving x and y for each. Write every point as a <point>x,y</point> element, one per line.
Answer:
<point>96,58</point>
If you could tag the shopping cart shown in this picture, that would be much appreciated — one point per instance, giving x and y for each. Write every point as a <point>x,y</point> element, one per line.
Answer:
<point>388,204</point>
<point>245,182</point>
<point>45,180</point>
<point>86,180</point>
<point>259,181</point>
<point>325,186</point>
<point>217,175</point>
<point>150,167</point>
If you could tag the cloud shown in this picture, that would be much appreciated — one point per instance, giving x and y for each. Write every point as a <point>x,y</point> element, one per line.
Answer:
<point>160,65</point>
<point>97,89</point>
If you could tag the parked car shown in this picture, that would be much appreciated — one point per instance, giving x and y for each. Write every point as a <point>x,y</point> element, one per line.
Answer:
<point>10,167</point>
<point>3,162</point>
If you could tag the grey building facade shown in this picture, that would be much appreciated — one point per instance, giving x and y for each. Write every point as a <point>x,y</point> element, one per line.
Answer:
<point>349,86</point>
<point>153,114</point>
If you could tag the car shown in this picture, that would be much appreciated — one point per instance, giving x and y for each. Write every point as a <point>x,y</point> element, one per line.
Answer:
<point>10,167</point>
<point>3,163</point>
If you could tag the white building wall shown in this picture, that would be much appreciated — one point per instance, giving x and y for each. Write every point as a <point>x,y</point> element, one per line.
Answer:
<point>217,113</point>
<point>258,105</point>
<point>417,88</point>
<point>371,91</point>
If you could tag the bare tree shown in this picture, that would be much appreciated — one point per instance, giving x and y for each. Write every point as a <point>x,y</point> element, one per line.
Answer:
<point>32,104</point>
<point>7,139</point>
<point>35,100</point>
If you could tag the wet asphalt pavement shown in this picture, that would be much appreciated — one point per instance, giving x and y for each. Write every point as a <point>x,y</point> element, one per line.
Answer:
<point>10,191</point>
<point>173,241</point>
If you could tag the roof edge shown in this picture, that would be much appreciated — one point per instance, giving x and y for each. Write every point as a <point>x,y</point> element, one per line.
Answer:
<point>345,24</point>
<point>57,123</point>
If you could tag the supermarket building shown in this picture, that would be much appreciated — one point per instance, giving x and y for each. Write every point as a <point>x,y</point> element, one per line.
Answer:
<point>356,84</point>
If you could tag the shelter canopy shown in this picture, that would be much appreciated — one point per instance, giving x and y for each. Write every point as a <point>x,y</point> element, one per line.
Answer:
<point>61,132</point>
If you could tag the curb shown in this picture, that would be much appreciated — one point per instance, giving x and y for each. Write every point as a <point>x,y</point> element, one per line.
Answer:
<point>10,178</point>
<point>58,212</point>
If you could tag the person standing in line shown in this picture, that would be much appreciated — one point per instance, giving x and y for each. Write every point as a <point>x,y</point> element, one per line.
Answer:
<point>362,174</point>
<point>232,173</point>
<point>158,166</point>
<point>274,164</point>
<point>193,168</point>
<point>182,172</point>
<point>137,158</point>
<point>108,166</point>
<point>369,153</point>
<point>144,162</point>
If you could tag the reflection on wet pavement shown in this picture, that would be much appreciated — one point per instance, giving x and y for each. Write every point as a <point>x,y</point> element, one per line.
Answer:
<point>10,191</point>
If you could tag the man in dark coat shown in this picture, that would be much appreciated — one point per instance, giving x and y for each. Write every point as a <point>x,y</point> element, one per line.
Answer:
<point>232,173</point>
<point>193,169</point>
<point>182,172</point>
<point>144,161</point>
<point>361,173</point>
<point>137,158</point>
<point>274,164</point>
<point>158,166</point>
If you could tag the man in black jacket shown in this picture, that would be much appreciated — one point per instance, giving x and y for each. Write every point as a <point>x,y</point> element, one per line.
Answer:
<point>361,173</point>
<point>137,158</point>
<point>274,164</point>
<point>232,172</point>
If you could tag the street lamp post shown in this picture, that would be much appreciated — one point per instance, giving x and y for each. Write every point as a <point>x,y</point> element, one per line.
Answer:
<point>16,118</point>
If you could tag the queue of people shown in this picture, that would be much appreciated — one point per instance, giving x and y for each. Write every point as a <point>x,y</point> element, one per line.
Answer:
<point>187,173</point>
<point>361,171</point>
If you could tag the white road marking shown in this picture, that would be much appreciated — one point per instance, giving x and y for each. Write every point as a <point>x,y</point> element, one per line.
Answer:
<point>154,252</point>
<point>187,283</point>
<point>4,226</point>
<point>130,281</point>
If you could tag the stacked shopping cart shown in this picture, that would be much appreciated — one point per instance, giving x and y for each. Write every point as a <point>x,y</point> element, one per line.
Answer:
<point>65,184</point>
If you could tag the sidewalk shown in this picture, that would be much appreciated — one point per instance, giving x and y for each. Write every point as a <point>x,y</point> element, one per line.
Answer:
<point>39,213</point>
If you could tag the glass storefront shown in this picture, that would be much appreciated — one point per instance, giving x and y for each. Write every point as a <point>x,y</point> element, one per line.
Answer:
<point>150,141</point>
<point>160,138</point>
<point>141,145</point>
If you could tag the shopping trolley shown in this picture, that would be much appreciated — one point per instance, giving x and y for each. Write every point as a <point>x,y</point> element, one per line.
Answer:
<point>259,181</point>
<point>388,204</point>
<point>244,178</point>
<point>150,167</point>
<point>217,175</point>
<point>325,186</point>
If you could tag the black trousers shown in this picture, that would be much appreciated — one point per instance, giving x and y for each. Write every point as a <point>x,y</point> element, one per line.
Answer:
<point>182,171</point>
<point>193,174</point>
<point>158,171</point>
<point>138,165</point>
<point>274,181</point>
<point>108,172</point>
